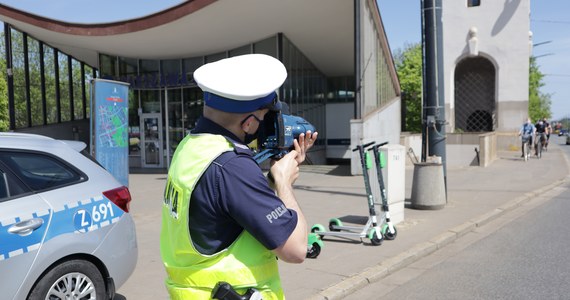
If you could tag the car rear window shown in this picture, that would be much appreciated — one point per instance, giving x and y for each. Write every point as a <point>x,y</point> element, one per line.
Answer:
<point>9,186</point>
<point>39,171</point>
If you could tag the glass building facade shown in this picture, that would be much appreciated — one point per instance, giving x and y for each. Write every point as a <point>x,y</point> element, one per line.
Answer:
<point>49,92</point>
<point>165,101</point>
<point>46,87</point>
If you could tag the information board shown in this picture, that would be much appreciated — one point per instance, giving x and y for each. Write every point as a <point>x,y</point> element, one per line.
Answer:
<point>109,127</point>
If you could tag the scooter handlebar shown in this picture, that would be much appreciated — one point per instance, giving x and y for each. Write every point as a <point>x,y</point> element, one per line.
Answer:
<point>363,146</point>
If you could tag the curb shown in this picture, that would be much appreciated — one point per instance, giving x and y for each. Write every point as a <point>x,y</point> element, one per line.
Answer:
<point>406,258</point>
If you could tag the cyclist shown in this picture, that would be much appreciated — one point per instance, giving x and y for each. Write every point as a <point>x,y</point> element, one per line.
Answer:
<point>548,132</point>
<point>527,131</point>
<point>540,135</point>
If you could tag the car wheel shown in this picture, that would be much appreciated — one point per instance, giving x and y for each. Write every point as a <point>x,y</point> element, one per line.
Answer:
<point>73,279</point>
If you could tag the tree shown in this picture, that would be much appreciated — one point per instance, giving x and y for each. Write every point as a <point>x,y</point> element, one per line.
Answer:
<point>35,93</point>
<point>409,69</point>
<point>538,102</point>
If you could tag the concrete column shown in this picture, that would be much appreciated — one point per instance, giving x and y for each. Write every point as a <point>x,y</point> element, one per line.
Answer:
<point>356,133</point>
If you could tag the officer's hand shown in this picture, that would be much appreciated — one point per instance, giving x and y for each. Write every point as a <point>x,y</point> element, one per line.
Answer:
<point>305,142</point>
<point>286,170</point>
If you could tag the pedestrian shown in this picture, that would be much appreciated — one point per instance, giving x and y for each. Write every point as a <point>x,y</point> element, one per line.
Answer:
<point>222,219</point>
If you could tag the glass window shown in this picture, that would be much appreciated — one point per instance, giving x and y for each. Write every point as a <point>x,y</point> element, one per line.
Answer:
<point>175,121</point>
<point>215,57</point>
<point>64,87</point>
<point>150,100</point>
<point>77,90</point>
<point>127,67</point>
<point>241,51</point>
<point>134,123</point>
<point>149,73</point>
<point>35,82</point>
<point>4,192</point>
<point>10,187</point>
<point>190,65</point>
<point>305,87</point>
<point>50,85</point>
<point>192,107</point>
<point>108,65</point>
<point>88,78</point>
<point>40,172</point>
<point>170,71</point>
<point>267,46</point>
<point>18,69</point>
<point>471,3</point>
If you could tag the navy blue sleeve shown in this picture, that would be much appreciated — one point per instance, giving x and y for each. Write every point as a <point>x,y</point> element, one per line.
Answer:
<point>253,204</point>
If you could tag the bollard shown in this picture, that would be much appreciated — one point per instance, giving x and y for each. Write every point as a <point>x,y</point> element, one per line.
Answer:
<point>428,187</point>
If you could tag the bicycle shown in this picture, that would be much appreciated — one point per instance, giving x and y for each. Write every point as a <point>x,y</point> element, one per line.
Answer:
<point>540,143</point>
<point>526,146</point>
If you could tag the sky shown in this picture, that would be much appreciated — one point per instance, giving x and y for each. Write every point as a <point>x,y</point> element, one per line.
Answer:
<point>550,22</point>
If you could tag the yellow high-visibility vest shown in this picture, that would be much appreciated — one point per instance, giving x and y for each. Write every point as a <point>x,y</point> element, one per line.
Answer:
<point>246,263</point>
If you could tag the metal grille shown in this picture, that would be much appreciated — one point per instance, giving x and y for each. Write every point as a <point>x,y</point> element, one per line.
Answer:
<point>475,108</point>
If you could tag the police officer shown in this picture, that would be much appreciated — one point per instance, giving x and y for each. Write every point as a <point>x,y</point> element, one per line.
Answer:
<point>221,220</point>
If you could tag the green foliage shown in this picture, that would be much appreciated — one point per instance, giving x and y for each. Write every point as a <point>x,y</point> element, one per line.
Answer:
<point>21,95</point>
<point>538,102</point>
<point>409,69</point>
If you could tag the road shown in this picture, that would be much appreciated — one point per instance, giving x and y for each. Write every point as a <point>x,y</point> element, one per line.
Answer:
<point>521,255</point>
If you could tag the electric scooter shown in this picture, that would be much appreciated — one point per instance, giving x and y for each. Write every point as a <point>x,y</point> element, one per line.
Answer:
<point>388,229</point>
<point>314,245</point>
<point>371,230</point>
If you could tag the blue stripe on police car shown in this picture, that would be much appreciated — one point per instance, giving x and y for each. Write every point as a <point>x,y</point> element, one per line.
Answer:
<point>77,217</point>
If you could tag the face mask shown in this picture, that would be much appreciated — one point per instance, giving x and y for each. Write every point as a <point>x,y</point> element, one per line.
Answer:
<point>250,137</point>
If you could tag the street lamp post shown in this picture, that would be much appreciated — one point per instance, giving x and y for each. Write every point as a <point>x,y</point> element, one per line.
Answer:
<point>433,112</point>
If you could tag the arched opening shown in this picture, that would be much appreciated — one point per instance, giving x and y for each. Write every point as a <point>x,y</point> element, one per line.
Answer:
<point>475,107</point>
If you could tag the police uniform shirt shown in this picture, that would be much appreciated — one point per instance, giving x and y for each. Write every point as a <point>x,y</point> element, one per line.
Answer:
<point>233,195</point>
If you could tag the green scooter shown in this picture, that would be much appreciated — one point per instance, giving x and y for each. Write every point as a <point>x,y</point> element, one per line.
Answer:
<point>388,229</point>
<point>371,230</point>
<point>314,245</point>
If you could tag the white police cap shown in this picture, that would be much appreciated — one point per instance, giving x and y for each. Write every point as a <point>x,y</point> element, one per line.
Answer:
<point>242,83</point>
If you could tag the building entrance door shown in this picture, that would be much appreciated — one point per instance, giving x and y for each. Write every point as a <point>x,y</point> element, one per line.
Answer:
<point>151,137</point>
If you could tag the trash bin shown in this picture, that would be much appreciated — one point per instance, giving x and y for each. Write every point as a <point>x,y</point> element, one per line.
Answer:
<point>428,187</point>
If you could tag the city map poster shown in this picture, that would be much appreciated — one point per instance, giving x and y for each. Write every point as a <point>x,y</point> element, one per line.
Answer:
<point>109,127</point>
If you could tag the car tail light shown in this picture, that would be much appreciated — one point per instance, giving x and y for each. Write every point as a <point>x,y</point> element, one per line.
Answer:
<point>120,196</point>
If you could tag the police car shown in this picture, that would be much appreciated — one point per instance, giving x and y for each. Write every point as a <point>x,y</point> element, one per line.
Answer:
<point>65,227</point>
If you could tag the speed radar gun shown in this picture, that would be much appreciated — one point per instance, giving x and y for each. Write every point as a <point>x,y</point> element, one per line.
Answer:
<point>277,134</point>
<point>275,139</point>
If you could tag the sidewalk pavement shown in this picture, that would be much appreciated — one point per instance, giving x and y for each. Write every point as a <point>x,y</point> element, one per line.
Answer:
<point>476,195</point>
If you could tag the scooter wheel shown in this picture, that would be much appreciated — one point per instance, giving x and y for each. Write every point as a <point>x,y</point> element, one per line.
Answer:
<point>314,251</point>
<point>389,235</point>
<point>333,223</point>
<point>318,228</point>
<point>374,238</point>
